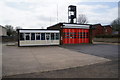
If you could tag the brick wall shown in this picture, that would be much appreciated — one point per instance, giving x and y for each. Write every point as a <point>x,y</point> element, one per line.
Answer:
<point>101,30</point>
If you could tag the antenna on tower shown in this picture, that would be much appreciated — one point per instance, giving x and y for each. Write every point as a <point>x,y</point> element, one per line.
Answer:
<point>57,12</point>
<point>50,19</point>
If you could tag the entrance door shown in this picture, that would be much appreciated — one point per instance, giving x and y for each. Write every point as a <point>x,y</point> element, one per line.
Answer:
<point>48,38</point>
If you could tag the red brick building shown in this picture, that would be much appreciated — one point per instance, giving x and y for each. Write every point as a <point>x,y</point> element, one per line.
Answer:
<point>98,29</point>
<point>107,29</point>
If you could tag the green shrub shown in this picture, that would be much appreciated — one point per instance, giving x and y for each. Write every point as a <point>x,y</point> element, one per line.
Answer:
<point>108,36</point>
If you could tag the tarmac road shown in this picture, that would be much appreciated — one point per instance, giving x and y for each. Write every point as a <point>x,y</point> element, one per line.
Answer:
<point>109,51</point>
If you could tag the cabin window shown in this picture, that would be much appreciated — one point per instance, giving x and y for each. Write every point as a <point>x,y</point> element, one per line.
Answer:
<point>21,36</point>
<point>42,36</point>
<point>37,36</point>
<point>52,36</point>
<point>47,36</point>
<point>57,36</point>
<point>27,36</point>
<point>32,36</point>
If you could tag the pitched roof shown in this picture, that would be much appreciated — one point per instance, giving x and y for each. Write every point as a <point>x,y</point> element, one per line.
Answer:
<point>2,26</point>
<point>107,26</point>
<point>96,25</point>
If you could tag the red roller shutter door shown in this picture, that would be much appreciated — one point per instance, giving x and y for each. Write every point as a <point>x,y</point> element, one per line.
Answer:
<point>68,39</point>
<point>86,36</point>
<point>83,35</point>
<point>79,36</point>
<point>75,36</point>
<point>70,36</point>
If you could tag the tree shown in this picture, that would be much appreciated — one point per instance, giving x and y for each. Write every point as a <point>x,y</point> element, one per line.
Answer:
<point>82,19</point>
<point>16,32</point>
<point>10,30</point>
<point>116,24</point>
<point>18,27</point>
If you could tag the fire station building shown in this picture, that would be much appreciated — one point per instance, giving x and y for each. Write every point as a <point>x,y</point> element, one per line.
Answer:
<point>58,34</point>
<point>73,33</point>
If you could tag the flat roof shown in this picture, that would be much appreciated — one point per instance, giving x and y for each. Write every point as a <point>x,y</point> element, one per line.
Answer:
<point>76,26</point>
<point>37,31</point>
<point>69,25</point>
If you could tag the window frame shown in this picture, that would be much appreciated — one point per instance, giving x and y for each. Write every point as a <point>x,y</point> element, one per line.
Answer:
<point>57,37</point>
<point>43,37</point>
<point>34,36</point>
<point>38,34</point>
<point>25,36</point>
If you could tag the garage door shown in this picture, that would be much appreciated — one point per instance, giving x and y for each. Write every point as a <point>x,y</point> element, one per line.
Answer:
<point>75,36</point>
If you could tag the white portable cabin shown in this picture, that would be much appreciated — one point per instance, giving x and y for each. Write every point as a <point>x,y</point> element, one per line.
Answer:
<point>36,37</point>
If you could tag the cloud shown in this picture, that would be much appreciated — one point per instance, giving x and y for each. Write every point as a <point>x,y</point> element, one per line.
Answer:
<point>43,13</point>
<point>99,13</point>
<point>30,13</point>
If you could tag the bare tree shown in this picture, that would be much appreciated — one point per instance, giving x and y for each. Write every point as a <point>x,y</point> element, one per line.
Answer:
<point>116,24</point>
<point>82,19</point>
<point>10,30</point>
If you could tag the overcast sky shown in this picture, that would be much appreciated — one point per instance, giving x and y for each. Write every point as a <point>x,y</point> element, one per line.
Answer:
<point>43,13</point>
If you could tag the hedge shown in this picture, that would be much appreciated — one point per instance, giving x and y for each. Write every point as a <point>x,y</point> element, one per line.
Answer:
<point>108,36</point>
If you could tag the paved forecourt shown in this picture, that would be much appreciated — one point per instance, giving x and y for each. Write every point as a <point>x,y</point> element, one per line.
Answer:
<point>22,60</point>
